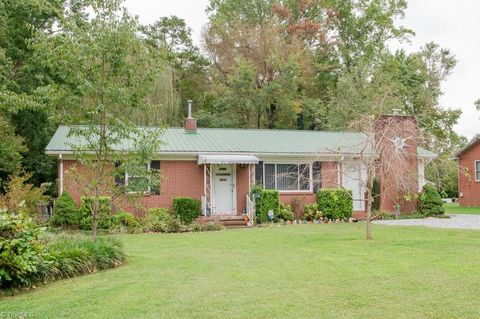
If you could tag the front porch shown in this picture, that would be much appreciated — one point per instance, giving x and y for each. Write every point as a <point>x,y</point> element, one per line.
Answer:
<point>227,182</point>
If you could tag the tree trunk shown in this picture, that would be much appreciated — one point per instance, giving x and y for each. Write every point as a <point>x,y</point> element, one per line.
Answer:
<point>369,215</point>
<point>95,217</point>
<point>272,115</point>
<point>369,204</point>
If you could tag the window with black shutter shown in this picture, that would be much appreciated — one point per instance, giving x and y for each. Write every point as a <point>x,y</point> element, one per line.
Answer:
<point>317,176</point>
<point>155,189</point>
<point>259,173</point>
<point>119,174</point>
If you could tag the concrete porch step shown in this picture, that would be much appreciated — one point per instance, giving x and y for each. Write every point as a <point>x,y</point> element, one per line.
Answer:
<point>228,217</point>
<point>232,221</point>
<point>229,221</point>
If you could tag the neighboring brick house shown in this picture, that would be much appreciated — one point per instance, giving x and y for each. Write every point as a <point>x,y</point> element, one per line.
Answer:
<point>469,174</point>
<point>220,166</point>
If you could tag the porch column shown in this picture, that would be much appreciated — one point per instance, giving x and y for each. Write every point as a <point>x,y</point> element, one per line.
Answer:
<point>211,199</point>
<point>60,187</point>
<point>205,204</point>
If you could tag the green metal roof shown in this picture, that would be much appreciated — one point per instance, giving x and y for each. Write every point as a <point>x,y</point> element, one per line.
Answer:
<point>224,140</point>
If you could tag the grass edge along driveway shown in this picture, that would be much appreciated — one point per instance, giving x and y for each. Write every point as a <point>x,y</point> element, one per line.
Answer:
<point>454,208</point>
<point>297,271</point>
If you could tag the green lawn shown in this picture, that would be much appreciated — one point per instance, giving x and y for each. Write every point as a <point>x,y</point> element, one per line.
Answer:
<point>298,271</point>
<point>453,208</point>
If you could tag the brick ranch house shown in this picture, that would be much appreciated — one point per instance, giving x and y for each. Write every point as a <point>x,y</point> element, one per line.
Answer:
<point>469,174</point>
<point>220,166</point>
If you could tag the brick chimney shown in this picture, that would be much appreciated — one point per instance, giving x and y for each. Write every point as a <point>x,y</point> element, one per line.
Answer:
<point>398,177</point>
<point>190,122</point>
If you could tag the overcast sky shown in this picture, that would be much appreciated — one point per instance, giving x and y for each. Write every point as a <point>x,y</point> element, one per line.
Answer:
<point>452,24</point>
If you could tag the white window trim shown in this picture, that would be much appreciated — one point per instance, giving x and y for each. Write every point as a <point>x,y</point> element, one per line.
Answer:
<point>148,191</point>
<point>310,177</point>
<point>476,171</point>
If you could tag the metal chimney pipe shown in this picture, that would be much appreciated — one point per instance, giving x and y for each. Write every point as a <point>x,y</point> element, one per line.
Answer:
<point>189,109</point>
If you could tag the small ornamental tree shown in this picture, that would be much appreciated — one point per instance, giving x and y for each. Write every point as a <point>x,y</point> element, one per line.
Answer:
<point>388,152</point>
<point>111,69</point>
<point>431,203</point>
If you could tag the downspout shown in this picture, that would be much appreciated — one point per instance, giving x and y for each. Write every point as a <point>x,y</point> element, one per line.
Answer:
<point>60,190</point>
<point>339,173</point>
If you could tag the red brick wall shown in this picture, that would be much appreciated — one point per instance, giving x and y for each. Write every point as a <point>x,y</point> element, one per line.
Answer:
<point>391,193</point>
<point>242,187</point>
<point>466,177</point>
<point>329,175</point>
<point>180,178</point>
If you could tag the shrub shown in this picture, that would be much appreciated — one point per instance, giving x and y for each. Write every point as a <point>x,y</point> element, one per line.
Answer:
<point>22,254</point>
<point>297,206</point>
<point>312,212</point>
<point>22,197</point>
<point>66,212</point>
<point>335,203</point>
<point>431,203</point>
<point>269,199</point>
<point>75,255</point>
<point>126,222</point>
<point>284,214</point>
<point>210,226</point>
<point>160,220</point>
<point>105,214</point>
<point>187,209</point>
<point>25,258</point>
<point>123,218</point>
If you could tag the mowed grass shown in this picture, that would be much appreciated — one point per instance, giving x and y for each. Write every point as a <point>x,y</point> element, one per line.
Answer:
<point>297,271</point>
<point>454,208</point>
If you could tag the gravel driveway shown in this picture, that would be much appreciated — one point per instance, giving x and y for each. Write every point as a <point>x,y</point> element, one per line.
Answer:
<point>462,221</point>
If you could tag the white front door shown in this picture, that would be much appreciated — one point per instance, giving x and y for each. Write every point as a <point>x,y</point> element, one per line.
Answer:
<point>352,180</point>
<point>224,189</point>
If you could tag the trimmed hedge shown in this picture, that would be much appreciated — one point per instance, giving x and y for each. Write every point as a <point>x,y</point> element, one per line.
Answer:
<point>335,203</point>
<point>187,209</point>
<point>66,212</point>
<point>268,199</point>
<point>105,214</point>
<point>431,203</point>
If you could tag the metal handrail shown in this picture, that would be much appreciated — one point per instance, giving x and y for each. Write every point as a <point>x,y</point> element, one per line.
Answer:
<point>250,209</point>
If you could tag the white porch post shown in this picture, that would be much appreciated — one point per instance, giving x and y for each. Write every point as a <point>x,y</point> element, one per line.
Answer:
<point>205,190</point>
<point>249,178</point>
<point>60,187</point>
<point>212,200</point>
